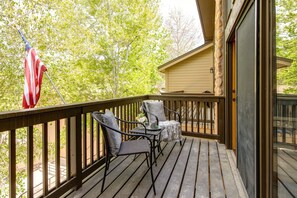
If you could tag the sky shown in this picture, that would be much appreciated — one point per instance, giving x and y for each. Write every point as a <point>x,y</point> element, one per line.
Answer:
<point>188,7</point>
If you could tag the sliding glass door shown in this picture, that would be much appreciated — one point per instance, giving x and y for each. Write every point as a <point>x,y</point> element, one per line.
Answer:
<point>285,108</point>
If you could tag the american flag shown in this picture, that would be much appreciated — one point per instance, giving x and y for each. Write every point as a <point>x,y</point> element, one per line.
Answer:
<point>34,69</point>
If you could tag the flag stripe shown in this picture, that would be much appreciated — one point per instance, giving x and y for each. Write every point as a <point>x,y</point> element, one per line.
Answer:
<point>34,69</point>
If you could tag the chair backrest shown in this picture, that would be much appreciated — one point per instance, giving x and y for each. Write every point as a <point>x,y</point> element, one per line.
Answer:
<point>156,108</point>
<point>109,126</point>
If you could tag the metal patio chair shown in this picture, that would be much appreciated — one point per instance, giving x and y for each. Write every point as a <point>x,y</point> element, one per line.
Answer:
<point>155,113</point>
<point>137,144</point>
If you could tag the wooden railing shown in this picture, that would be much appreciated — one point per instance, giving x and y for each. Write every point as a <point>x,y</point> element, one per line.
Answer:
<point>201,115</point>
<point>66,145</point>
<point>285,120</point>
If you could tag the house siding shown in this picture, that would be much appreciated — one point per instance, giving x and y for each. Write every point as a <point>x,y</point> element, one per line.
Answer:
<point>191,75</point>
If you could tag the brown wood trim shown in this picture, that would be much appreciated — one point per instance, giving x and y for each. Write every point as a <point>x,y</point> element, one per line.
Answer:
<point>98,145</point>
<point>57,152</point>
<point>30,162</point>
<point>68,149</point>
<point>204,120</point>
<point>18,119</point>
<point>201,135</point>
<point>94,167</point>
<point>211,122</point>
<point>192,113</point>
<point>78,151</point>
<point>186,109</point>
<point>63,188</point>
<point>198,117</point>
<point>185,97</point>
<point>12,163</point>
<point>267,77</point>
<point>91,138</point>
<point>73,121</point>
<point>84,138</point>
<point>45,158</point>
<point>221,120</point>
<point>228,105</point>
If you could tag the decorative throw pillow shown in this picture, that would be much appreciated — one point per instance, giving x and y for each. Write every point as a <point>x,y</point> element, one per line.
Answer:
<point>114,138</point>
<point>156,108</point>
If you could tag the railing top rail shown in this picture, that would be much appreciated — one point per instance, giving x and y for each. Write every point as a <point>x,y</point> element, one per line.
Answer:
<point>183,93</point>
<point>27,112</point>
<point>23,118</point>
<point>201,97</point>
<point>29,117</point>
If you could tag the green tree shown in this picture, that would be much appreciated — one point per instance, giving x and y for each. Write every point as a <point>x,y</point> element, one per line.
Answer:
<point>132,46</point>
<point>93,49</point>
<point>286,42</point>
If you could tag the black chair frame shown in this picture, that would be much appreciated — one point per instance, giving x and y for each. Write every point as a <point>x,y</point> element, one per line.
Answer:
<point>108,156</point>
<point>146,112</point>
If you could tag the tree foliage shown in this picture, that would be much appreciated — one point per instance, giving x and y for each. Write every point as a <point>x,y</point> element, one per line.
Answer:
<point>93,49</point>
<point>286,42</point>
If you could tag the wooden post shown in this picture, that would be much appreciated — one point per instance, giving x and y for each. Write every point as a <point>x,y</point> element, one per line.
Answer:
<point>221,120</point>
<point>76,149</point>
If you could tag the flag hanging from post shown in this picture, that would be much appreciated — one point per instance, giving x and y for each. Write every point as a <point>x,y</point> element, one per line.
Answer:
<point>34,69</point>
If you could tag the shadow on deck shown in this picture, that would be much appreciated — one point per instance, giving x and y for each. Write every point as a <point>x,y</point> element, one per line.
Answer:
<point>198,168</point>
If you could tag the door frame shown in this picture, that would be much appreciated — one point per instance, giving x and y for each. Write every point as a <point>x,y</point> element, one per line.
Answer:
<point>231,51</point>
<point>266,63</point>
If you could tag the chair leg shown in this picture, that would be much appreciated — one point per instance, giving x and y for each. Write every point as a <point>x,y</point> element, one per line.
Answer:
<point>151,167</point>
<point>107,162</point>
<point>155,158</point>
<point>159,146</point>
<point>105,171</point>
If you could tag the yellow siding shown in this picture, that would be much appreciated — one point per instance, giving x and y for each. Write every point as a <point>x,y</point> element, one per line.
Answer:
<point>166,81</point>
<point>191,75</point>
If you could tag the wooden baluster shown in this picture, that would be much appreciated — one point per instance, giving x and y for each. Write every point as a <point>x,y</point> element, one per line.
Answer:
<point>68,154</point>
<point>30,162</point>
<point>91,139</point>
<point>205,115</point>
<point>198,116</point>
<point>12,163</point>
<point>192,119</point>
<point>211,117</point>
<point>85,140</point>
<point>57,152</point>
<point>45,158</point>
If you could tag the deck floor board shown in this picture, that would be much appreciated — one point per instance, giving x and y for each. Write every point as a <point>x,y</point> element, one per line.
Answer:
<point>202,184</point>
<point>187,170</point>
<point>188,185</point>
<point>229,182</point>
<point>287,172</point>
<point>216,179</point>
<point>176,178</point>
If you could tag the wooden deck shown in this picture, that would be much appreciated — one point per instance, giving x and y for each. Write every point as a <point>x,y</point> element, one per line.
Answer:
<point>287,173</point>
<point>198,168</point>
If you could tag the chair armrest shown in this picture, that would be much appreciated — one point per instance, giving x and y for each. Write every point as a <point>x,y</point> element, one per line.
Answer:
<point>129,122</point>
<point>175,112</point>
<point>157,119</point>
<point>128,134</point>
<point>133,122</point>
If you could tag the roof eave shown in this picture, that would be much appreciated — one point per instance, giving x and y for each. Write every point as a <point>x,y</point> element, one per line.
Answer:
<point>191,53</point>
